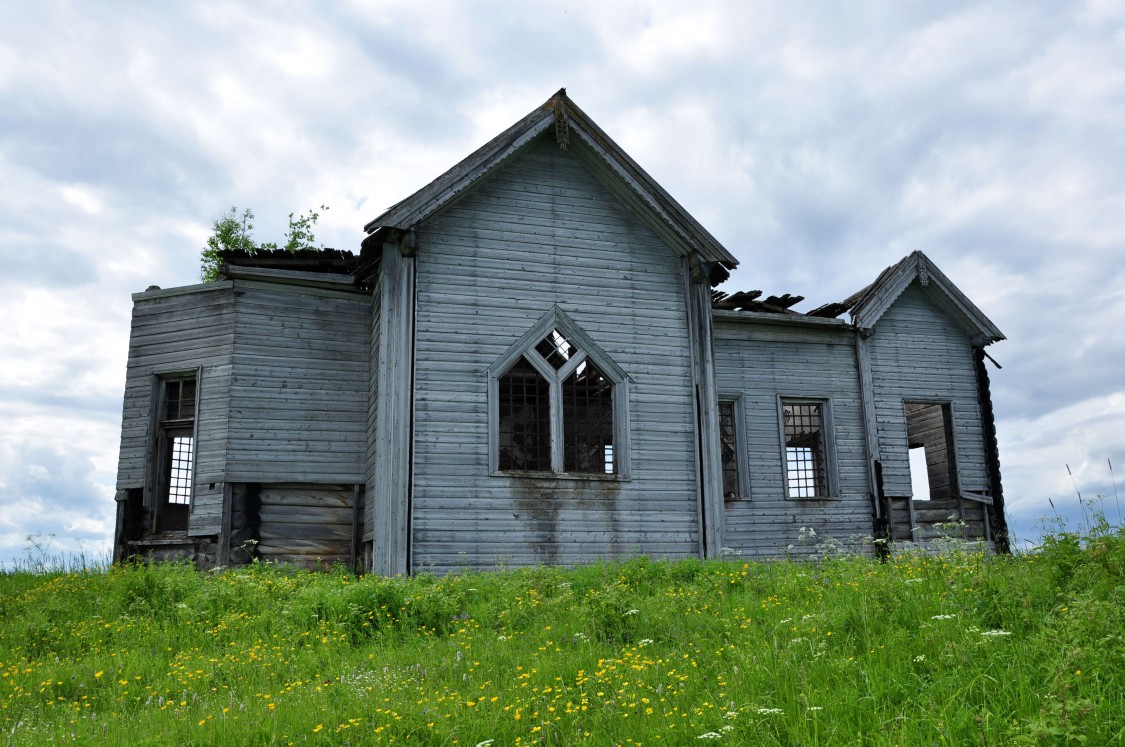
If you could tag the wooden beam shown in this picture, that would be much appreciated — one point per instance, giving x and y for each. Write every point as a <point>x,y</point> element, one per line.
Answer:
<point>870,426</point>
<point>700,326</point>
<point>394,417</point>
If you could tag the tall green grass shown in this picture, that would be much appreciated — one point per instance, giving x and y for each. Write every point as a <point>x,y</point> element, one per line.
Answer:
<point>962,648</point>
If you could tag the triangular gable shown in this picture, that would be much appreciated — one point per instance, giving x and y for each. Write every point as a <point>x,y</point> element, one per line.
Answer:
<point>869,305</point>
<point>573,130</point>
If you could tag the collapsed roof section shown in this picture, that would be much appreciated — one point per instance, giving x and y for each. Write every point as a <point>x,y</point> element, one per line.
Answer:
<point>867,306</point>
<point>576,132</point>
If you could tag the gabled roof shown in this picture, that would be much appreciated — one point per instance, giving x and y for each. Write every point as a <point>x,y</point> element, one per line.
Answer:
<point>868,305</point>
<point>573,130</point>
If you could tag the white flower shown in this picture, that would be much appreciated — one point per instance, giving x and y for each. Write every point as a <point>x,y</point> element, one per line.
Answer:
<point>501,637</point>
<point>920,657</point>
<point>644,642</point>
<point>765,711</point>
<point>815,708</point>
<point>913,581</point>
<point>485,743</point>
<point>943,617</point>
<point>995,633</point>
<point>710,735</point>
<point>632,612</point>
<point>731,714</point>
<point>727,728</point>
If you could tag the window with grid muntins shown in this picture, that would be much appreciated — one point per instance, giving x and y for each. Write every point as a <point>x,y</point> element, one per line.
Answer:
<point>729,449</point>
<point>180,470</point>
<point>176,440</point>
<point>558,402</point>
<point>525,419</point>
<point>179,399</point>
<point>556,349</point>
<point>805,460</point>
<point>587,412</point>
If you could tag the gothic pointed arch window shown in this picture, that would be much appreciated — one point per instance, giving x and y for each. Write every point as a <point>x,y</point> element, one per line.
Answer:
<point>558,404</point>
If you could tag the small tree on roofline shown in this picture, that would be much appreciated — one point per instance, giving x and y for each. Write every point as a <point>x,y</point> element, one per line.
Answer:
<point>231,233</point>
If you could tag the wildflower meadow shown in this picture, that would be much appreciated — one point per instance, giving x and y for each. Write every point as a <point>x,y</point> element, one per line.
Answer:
<point>951,649</point>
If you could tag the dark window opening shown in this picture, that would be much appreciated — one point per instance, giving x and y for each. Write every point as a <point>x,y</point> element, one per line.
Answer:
<point>929,432</point>
<point>729,448</point>
<point>805,461</point>
<point>587,414</point>
<point>179,400</point>
<point>558,405</point>
<point>525,419</point>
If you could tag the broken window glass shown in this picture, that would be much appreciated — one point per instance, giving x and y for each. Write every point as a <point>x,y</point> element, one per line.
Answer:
<point>729,449</point>
<point>556,349</point>
<point>557,407</point>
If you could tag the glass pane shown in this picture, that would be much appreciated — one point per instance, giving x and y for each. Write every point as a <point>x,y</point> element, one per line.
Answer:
<point>525,419</point>
<point>587,407</point>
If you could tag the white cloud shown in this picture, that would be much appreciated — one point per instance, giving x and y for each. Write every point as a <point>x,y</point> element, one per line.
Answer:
<point>820,143</point>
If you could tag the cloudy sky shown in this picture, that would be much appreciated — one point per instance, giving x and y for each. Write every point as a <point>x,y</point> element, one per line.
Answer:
<point>818,144</point>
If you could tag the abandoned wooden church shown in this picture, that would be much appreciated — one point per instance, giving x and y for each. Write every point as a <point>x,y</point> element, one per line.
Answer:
<point>527,363</point>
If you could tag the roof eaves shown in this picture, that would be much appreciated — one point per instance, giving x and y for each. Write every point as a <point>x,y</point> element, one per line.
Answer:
<point>871,303</point>
<point>425,201</point>
<point>649,189</point>
<point>429,198</point>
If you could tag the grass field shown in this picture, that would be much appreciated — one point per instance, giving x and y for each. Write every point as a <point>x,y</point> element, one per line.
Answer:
<point>952,650</point>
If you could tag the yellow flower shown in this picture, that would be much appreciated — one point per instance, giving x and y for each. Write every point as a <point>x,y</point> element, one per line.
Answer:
<point>318,728</point>
<point>98,674</point>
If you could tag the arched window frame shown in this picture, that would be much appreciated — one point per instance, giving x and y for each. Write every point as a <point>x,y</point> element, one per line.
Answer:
<point>557,319</point>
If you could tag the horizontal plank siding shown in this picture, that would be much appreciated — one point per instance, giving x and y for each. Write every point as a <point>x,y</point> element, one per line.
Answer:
<point>306,525</point>
<point>544,231</point>
<point>759,361</point>
<point>180,333</point>
<point>299,385</point>
<point>918,353</point>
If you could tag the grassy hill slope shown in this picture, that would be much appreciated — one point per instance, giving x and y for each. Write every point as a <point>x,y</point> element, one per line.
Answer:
<point>958,649</point>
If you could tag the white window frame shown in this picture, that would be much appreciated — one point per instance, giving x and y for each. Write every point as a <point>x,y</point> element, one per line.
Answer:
<point>558,319</point>
<point>831,473</point>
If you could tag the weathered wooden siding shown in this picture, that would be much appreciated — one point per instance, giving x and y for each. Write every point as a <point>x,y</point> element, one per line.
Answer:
<point>298,406</point>
<point>373,359</point>
<point>306,525</point>
<point>758,361</point>
<point>918,353</point>
<point>173,331</point>
<point>544,231</point>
